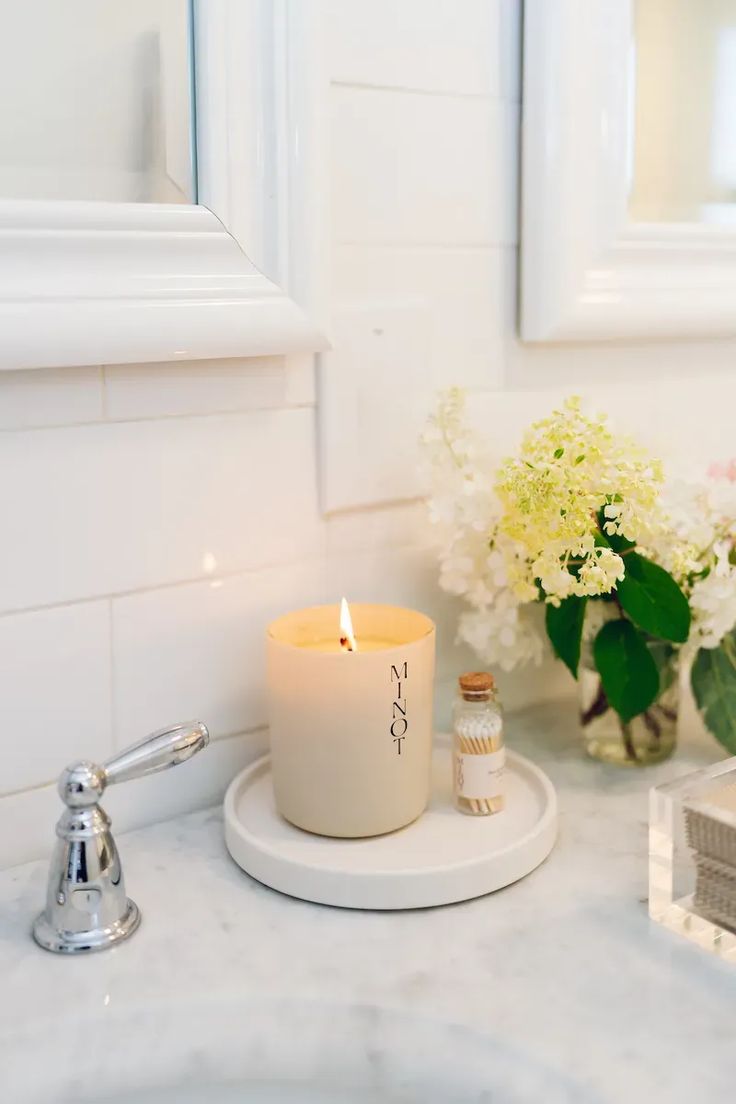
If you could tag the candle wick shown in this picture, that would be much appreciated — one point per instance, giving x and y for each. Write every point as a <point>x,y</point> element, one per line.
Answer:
<point>345,643</point>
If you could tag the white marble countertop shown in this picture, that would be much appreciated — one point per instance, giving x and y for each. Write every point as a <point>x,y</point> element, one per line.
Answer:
<point>564,967</point>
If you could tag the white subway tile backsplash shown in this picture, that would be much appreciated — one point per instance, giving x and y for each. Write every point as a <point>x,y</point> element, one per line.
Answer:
<point>55,691</point>
<point>687,426</point>
<point>300,380</point>
<point>432,45</point>
<point>208,643</point>
<point>399,525</point>
<point>465,291</point>
<point>50,396</point>
<point>33,815</point>
<point>407,323</point>
<point>194,387</point>
<point>567,368</point>
<point>117,507</point>
<point>444,175</point>
<point>368,432</point>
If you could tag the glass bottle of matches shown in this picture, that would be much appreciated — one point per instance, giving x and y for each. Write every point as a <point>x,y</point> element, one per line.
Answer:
<point>478,754</point>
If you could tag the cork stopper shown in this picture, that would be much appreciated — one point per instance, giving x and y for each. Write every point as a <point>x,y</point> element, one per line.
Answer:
<point>476,684</point>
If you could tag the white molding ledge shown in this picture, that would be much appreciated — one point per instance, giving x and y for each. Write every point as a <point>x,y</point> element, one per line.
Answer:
<point>588,273</point>
<point>100,283</point>
<point>94,283</point>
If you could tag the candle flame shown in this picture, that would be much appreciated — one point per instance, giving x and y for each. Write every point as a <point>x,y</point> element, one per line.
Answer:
<point>347,636</point>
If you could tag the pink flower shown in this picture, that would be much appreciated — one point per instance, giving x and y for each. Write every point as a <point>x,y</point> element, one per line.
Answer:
<point>723,471</point>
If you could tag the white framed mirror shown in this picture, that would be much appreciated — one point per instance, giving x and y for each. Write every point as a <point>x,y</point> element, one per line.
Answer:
<point>103,101</point>
<point>629,169</point>
<point>163,198</point>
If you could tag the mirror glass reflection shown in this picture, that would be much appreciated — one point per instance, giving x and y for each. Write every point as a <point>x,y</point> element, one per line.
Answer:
<point>684,107</point>
<point>97,100</point>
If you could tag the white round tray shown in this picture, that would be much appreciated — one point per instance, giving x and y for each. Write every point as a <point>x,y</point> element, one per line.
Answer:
<point>442,857</point>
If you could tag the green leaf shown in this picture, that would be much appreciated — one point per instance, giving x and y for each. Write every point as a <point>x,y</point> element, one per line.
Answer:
<point>565,630</point>
<point>629,674</point>
<point>653,600</point>
<point>713,679</point>
<point>558,453</point>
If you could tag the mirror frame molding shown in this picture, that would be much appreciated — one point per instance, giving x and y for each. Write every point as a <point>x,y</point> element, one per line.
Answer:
<point>587,272</point>
<point>239,274</point>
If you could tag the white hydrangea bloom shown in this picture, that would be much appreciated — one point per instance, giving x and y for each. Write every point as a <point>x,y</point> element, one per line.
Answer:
<point>713,602</point>
<point>504,636</point>
<point>465,511</point>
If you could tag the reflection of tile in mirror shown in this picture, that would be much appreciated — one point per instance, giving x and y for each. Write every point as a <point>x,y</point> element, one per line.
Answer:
<point>683,86</point>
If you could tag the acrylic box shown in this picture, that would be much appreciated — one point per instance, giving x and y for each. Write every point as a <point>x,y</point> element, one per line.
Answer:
<point>692,857</point>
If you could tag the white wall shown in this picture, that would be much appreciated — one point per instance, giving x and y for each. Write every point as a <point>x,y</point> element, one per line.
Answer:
<point>156,517</point>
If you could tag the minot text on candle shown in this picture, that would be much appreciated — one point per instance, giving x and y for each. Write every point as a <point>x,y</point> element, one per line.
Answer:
<point>399,719</point>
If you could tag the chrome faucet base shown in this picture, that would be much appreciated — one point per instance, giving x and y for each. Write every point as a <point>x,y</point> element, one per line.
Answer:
<point>87,908</point>
<point>84,942</point>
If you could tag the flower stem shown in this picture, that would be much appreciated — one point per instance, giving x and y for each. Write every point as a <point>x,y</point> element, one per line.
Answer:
<point>597,708</point>
<point>654,730</point>
<point>628,739</point>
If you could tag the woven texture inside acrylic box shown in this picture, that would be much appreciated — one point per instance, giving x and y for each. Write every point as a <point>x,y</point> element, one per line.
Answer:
<point>711,832</point>
<point>711,823</point>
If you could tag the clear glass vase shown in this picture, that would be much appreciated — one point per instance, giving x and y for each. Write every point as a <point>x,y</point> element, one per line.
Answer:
<point>648,738</point>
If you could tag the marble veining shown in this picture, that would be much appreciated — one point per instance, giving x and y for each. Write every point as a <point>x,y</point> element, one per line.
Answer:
<point>563,974</point>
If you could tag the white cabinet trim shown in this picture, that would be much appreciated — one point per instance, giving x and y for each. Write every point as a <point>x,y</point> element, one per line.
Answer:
<point>587,272</point>
<point>100,283</point>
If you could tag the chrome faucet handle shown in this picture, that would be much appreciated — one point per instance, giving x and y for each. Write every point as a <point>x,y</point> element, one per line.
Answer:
<point>86,905</point>
<point>162,749</point>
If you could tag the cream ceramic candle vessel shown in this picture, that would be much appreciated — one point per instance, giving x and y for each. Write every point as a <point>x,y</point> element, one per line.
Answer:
<point>351,731</point>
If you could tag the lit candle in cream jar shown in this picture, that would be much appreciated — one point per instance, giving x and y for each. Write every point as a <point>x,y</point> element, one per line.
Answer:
<point>350,712</point>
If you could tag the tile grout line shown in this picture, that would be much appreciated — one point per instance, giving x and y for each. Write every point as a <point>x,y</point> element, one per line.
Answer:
<point>236,573</point>
<point>107,421</point>
<point>239,572</point>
